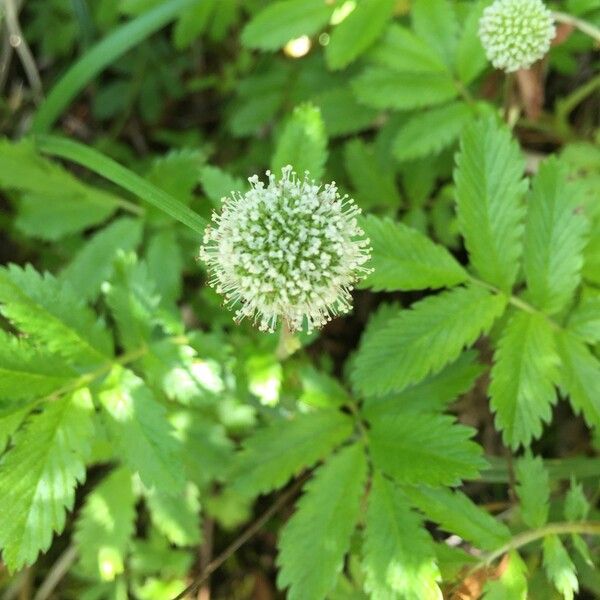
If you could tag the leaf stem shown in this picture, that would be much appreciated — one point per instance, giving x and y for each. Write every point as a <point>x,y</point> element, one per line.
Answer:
<point>584,26</point>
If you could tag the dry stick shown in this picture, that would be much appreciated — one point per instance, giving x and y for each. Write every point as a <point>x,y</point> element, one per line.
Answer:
<point>583,26</point>
<point>17,41</point>
<point>57,572</point>
<point>242,539</point>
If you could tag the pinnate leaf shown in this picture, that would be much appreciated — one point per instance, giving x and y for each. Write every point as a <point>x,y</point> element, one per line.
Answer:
<point>533,489</point>
<point>314,541</point>
<point>456,513</point>
<point>424,448</point>
<point>584,321</point>
<point>414,343</point>
<point>273,454</point>
<point>559,567</point>
<point>554,239</point>
<point>399,558</point>
<point>523,376</point>
<point>489,190</point>
<point>404,259</point>
<point>38,477</point>
<point>53,314</point>
<point>140,432</point>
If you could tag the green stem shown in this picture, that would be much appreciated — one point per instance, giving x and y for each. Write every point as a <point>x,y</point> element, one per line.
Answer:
<point>584,26</point>
<point>522,539</point>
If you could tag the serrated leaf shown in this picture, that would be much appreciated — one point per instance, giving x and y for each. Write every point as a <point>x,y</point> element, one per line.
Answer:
<point>52,313</point>
<point>176,516</point>
<point>374,185</point>
<point>165,264</point>
<point>404,259</point>
<point>523,376</point>
<point>381,87</point>
<point>193,22</point>
<point>142,436</point>
<point>470,55</point>
<point>533,489</point>
<point>399,558</point>
<point>428,133</point>
<point>580,377</point>
<point>9,425</point>
<point>433,393</point>
<point>279,22</point>
<point>341,112</point>
<point>489,189</point>
<point>357,32</point>
<point>320,389</point>
<point>401,50</point>
<point>512,583</point>
<point>577,505</point>
<point>457,513</point>
<point>93,263</point>
<point>27,372</point>
<point>554,239</point>
<point>53,202</point>
<point>105,526</point>
<point>422,340</point>
<point>314,541</point>
<point>219,184</point>
<point>282,449</point>
<point>302,143</point>
<point>38,477</point>
<point>178,172</point>
<point>584,321</point>
<point>559,567</point>
<point>435,22</point>
<point>424,448</point>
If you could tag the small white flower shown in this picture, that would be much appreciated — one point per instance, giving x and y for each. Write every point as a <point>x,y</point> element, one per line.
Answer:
<point>291,250</point>
<point>516,33</point>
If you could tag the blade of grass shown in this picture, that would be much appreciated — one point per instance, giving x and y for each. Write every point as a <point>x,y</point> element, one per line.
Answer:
<point>100,56</point>
<point>121,176</point>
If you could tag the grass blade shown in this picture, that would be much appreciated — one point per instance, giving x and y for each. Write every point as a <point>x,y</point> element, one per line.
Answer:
<point>100,56</point>
<point>124,178</point>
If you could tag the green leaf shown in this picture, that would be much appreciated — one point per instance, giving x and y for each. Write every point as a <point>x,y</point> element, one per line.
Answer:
<point>401,50</point>
<point>554,239</point>
<point>327,512</point>
<point>580,377</point>
<point>374,185</point>
<point>39,475</point>
<point>433,393</point>
<point>27,372</point>
<point>559,567</point>
<point>424,448</point>
<point>302,143</point>
<point>399,558</point>
<point>282,21</point>
<point>577,505</point>
<point>523,376</point>
<point>404,259</point>
<point>177,173</point>
<point>165,264</point>
<point>102,54</point>
<point>420,341</point>
<point>275,453</point>
<point>341,112</point>
<point>52,313</point>
<point>176,516</point>
<point>456,513</point>
<point>321,390</point>
<point>193,23</point>
<point>584,321</point>
<point>470,55</point>
<point>93,264</point>
<point>533,489</point>
<point>140,432</point>
<point>357,32</point>
<point>382,88</point>
<point>105,526</point>
<point>489,189</point>
<point>435,22</point>
<point>9,425</point>
<point>430,132</point>
<point>512,583</point>
<point>219,184</point>
<point>54,203</point>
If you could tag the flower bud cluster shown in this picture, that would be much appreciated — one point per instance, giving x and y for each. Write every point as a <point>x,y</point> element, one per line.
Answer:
<point>290,250</point>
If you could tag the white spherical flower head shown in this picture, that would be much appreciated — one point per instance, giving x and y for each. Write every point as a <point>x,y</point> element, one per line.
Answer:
<point>516,33</point>
<point>291,250</point>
